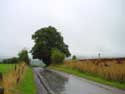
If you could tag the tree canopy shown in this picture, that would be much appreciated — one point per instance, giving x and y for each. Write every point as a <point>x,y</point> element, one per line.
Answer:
<point>23,56</point>
<point>12,60</point>
<point>45,40</point>
<point>74,57</point>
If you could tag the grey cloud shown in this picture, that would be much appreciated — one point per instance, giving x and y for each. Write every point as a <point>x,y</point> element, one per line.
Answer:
<point>88,26</point>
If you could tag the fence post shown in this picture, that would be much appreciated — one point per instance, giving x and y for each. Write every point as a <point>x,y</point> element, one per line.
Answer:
<point>1,90</point>
<point>15,67</point>
<point>1,76</point>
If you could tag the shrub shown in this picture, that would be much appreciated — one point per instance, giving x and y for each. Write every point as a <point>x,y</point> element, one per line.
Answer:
<point>74,57</point>
<point>23,56</point>
<point>12,60</point>
<point>57,56</point>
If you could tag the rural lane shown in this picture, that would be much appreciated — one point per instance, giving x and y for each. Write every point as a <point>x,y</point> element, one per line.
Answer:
<point>73,84</point>
<point>40,87</point>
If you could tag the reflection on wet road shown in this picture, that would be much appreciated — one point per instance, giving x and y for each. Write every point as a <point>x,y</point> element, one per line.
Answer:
<point>56,82</point>
<point>62,83</point>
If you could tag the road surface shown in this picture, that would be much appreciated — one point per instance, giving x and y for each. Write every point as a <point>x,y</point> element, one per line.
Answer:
<point>62,83</point>
<point>40,87</point>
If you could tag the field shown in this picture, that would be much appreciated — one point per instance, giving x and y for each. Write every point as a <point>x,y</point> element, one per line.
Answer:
<point>17,79</point>
<point>106,71</point>
<point>4,68</point>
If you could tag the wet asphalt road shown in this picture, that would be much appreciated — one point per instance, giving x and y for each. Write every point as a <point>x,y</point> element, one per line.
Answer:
<point>73,85</point>
<point>40,87</point>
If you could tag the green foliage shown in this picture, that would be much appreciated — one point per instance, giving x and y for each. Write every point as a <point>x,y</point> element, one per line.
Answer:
<point>57,56</point>
<point>5,68</point>
<point>27,84</point>
<point>74,57</point>
<point>45,40</point>
<point>12,60</point>
<point>23,56</point>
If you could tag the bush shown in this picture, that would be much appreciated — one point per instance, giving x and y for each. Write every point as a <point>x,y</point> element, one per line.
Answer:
<point>23,56</point>
<point>57,56</point>
<point>74,57</point>
<point>12,60</point>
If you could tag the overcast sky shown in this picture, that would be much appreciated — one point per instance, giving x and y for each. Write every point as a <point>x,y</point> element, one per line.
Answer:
<point>88,26</point>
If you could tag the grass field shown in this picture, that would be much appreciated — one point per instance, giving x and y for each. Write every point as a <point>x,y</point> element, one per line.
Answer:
<point>94,72</point>
<point>4,68</point>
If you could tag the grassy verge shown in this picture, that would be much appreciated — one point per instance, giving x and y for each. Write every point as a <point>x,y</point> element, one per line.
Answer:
<point>4,68</point>
<point>87,76</point>
<point>27,84</point>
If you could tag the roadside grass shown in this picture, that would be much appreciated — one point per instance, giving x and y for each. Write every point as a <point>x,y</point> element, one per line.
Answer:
<point>4,68</point>
<point>88,76</point>
<point>27,84</point>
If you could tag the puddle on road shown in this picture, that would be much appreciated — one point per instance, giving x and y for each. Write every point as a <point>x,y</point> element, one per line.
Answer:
<point>63,84</point>
<point>69,84</point>
<point>55,81</point>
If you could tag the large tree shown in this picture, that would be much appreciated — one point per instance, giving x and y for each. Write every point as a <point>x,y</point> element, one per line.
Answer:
<point>45,40</point>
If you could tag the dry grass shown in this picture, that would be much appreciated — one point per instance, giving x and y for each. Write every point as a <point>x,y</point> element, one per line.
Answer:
<point>12,79</point>
<point>109,69</point>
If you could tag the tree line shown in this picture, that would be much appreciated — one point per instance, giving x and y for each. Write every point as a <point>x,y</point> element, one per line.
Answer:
<point>22,57</point>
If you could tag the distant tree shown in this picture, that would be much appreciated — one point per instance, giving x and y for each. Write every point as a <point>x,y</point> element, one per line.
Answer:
<point>45,40</point>
<point>12,60</point>
<point>57,56</point>
<point>23,56</point>
<point>74,57</point>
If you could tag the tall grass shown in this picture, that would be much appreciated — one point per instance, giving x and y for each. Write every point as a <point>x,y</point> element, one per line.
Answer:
<point>17,79</point>
<point>10,80</point>
<point>113,70</point>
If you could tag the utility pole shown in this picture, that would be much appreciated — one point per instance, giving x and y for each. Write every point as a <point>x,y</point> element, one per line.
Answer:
<point>99,55</point>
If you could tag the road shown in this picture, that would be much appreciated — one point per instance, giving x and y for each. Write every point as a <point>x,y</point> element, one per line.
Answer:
<point>40,87</point>
<point>63,83</point>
